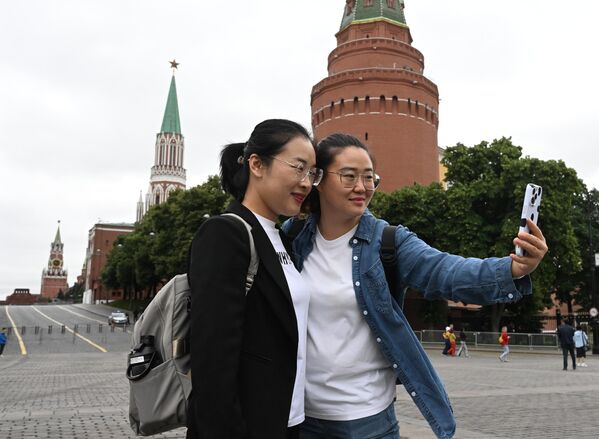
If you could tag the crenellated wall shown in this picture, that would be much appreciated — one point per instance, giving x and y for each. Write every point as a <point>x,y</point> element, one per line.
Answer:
<point>377,91</point>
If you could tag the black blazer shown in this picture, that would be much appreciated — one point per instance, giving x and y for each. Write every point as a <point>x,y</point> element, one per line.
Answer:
<point>243,348</point>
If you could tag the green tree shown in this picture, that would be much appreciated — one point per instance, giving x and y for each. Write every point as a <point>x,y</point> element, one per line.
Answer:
<point>75,293</point>
<point>478,215</point>
<point>157,249</point>
<point>493,177</point>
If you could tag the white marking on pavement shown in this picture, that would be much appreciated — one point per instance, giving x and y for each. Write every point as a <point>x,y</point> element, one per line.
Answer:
<point>19,338</point>
<point>100,348</point>
<point>80,315</point>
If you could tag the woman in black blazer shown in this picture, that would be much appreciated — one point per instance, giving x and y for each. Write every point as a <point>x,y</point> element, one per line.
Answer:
<point>248,352</point>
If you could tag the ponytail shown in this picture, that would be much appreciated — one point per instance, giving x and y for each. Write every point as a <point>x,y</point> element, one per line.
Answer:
<point>234,171</point>
<point>268,139</point>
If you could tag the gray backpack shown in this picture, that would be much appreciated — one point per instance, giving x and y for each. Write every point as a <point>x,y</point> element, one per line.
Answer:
<point>159,363</point>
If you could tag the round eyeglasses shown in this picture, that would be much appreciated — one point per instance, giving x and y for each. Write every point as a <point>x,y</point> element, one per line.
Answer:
<point>314,175</point>
<point>349,179</point>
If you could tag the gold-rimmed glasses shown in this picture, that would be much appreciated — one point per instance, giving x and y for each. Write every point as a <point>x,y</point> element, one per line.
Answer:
<point>314,175</point>
<point>349,179</point>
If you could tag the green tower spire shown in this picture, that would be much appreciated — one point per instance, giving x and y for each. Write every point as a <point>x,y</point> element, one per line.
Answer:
<point>57,237</point>
<point>170,121</point>
<point>364,11</point>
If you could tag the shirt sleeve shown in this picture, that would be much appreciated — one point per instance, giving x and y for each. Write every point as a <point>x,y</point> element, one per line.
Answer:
<point>442,275</point>
<point>219,259</point>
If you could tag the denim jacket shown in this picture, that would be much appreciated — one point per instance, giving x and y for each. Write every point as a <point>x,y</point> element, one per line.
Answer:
<point>436,275</point>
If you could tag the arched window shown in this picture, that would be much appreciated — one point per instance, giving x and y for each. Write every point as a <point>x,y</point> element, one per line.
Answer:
<point>382,105</point>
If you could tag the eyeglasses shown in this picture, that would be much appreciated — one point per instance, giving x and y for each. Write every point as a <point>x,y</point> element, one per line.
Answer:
<point>349,179</point>
<point>314,175</point>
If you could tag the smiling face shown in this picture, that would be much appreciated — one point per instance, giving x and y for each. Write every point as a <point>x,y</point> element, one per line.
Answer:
<point>340,203</point>
<point>275,188</point>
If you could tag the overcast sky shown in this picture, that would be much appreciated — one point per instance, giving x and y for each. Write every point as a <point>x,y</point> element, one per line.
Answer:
<point>83,86</point>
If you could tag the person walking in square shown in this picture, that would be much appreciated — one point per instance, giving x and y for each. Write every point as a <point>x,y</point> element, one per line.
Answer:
<point>452,342</point>
<point>504,340</point>
<point>463,345</point>
<point>565,336</point>
<point>2,340</point>
<point>446,341</point>
<point>581,342</point>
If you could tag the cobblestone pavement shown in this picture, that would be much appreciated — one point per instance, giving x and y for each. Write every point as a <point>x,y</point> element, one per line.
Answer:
<point>529,397</point>
<point>66,388</point>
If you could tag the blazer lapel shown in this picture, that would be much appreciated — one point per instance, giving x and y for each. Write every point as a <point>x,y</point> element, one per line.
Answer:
<point>280,298</point>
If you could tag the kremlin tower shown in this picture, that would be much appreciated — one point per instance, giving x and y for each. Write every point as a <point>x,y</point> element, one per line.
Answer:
<point>377,91</point>
<point>54,276</point>
<point>167,173</point>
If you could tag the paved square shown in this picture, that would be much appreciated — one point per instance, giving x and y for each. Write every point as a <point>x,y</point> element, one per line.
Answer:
<point>85,395</point>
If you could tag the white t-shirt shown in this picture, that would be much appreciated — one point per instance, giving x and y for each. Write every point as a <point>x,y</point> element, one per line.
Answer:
<point>300,294</point>
<point>347,376</point>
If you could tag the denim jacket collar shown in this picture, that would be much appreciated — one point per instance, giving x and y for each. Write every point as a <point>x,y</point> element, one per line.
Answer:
<point>365,230</point>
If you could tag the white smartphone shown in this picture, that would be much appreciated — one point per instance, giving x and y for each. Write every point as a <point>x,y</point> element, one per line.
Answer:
<point>530,210</point>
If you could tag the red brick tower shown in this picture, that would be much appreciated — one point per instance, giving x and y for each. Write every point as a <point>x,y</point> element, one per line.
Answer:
<point>376,90</point>
<point>54,276</point>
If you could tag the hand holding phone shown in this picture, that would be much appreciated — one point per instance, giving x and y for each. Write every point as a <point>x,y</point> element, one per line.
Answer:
<point>530,210</point>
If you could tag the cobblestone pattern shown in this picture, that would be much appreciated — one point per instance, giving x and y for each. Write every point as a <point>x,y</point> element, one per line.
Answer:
<point>83,393</point>
<point>529,397</point>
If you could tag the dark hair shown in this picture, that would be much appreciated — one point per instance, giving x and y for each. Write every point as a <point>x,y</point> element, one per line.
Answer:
<point>326,151</point>
<point>578,328</point>
<point>268,138</point>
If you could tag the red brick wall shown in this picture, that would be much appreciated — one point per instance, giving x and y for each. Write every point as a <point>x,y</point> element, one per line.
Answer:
<point>376,91</point>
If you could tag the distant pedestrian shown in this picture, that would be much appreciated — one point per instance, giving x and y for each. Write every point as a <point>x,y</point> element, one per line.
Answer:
<point>452,339</point>
<point>581,341</point>
<point>504,340</point>
<point>2,340</point>
<point>565,336</point>
<point>446,339</point>
<point>463,345</point>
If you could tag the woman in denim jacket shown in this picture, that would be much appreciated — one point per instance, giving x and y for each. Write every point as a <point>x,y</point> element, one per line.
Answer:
<point>359,341</point>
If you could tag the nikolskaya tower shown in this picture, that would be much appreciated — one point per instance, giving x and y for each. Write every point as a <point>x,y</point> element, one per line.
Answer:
<point>168,172</point>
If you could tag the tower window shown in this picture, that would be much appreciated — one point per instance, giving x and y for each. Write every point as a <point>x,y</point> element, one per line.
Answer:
<point>366,135</point>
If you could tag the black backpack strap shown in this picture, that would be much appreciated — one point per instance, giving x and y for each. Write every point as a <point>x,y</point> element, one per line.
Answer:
<point>389,260</point>
<point>296,227</point>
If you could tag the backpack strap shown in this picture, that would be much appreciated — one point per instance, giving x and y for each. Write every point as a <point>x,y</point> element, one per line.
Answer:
<point>389,260</point>
<point>296,227</point>
<point>254,260</point>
